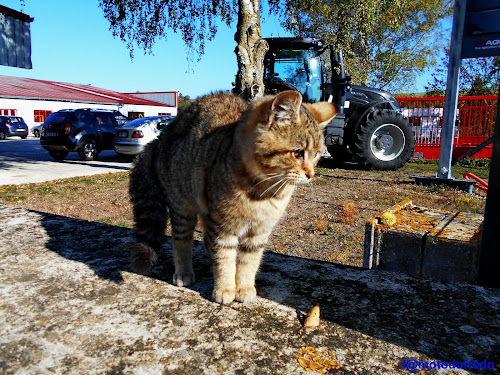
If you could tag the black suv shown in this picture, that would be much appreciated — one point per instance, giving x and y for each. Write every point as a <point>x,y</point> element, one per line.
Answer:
<point>13,126</point>
<point>87,131</point>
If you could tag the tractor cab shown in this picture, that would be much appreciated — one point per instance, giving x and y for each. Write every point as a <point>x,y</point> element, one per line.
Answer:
<point>294,64</point>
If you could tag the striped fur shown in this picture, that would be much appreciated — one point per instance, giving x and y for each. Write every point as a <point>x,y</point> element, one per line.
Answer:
<point>232,166</point>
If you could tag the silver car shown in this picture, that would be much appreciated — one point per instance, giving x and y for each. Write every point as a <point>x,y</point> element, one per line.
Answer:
<point>131,138</point>
<point>37,129</point>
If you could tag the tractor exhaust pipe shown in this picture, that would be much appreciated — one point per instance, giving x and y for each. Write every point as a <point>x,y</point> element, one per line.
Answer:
<point>338,79</point>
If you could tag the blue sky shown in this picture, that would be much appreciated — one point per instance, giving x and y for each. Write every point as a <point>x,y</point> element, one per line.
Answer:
<point>71,42</point>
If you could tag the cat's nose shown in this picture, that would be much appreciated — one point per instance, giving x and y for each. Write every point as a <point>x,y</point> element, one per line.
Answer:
<point>310,175</point>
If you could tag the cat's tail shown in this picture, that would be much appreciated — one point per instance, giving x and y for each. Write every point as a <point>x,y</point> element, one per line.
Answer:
<point>150,210</point>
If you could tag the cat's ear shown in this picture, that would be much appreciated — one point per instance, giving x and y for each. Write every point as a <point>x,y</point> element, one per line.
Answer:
<point>322,112</point>
<point>285,105</point>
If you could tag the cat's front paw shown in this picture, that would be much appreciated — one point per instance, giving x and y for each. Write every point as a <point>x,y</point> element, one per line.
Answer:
<point>247,294</point>
<point>224,295</point>
<point>184,278</point>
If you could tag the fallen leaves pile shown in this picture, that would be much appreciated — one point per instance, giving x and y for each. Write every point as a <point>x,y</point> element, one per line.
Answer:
<point>311,359</point>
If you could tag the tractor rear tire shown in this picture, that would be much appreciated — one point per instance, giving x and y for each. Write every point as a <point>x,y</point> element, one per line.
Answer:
<point>385,141</point>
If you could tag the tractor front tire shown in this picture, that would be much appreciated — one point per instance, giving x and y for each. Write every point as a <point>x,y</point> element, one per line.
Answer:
<point>385,141</point>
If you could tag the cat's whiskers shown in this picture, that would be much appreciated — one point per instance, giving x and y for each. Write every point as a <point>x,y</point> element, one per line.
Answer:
<point>271,176</point>
<point>285,182</point>
<point>270,187</point>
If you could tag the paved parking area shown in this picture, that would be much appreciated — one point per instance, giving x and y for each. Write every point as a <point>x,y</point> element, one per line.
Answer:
<point>24,161</point>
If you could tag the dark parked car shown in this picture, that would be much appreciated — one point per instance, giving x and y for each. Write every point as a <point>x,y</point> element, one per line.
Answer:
<point>11,126</point>
<point>86,131</point>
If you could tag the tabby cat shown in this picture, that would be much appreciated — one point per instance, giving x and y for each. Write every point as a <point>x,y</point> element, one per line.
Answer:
<point>233,166</point>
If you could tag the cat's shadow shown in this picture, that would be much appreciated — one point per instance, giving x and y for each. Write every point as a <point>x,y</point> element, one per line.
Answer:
<point>423,316</point>
<point>163,268</point>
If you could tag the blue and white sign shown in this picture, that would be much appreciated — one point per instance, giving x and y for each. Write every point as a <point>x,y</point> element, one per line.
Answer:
<point>481,36</point>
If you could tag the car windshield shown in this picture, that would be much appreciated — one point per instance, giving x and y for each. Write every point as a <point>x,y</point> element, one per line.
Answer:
<point>145,120</point>
<point>121,120</point>
<point>55,118</point>
<point>138,122</point>
<point>15,120</point>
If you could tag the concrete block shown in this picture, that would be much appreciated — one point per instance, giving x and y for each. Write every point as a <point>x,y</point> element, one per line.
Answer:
<point>452,249</point>
<point>419,241</point>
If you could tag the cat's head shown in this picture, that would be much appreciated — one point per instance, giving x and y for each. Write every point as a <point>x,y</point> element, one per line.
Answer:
<point>284,137</point>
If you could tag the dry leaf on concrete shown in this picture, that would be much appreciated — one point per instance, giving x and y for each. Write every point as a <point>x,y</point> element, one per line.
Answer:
<point>312,319</point>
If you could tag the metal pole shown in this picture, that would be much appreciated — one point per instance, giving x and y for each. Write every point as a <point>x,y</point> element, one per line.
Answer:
<point>451,97</point>
<point>489,258</point>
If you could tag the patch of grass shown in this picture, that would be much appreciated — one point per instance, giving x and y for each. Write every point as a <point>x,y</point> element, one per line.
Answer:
<point>72,188</point>
<point>319,180</point>
<point>468,203</point>
<point>115,220</point>
<point>282,234</point>
<point>434,188</point>
<point>43,190</point>
<point>475,163</point>
<point>349,244</point>
<point>483,173</point>
<point>98,182</point>
<point>11,194</point>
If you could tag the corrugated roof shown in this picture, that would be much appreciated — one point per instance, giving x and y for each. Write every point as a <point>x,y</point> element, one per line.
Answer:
<point>27,88</point>
<point>15,38</point>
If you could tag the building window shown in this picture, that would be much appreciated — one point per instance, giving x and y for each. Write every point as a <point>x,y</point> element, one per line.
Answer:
<point>41,115</point>
<point>7,112</point>
<point>134,115</point>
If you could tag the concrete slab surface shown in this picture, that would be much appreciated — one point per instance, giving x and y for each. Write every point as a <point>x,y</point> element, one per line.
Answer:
<point>70,305</point>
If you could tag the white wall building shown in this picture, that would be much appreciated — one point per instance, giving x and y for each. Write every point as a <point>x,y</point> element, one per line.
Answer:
<point>34,99</point>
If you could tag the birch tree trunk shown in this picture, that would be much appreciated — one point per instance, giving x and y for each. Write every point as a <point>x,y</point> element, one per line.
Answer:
<point>250,51</point>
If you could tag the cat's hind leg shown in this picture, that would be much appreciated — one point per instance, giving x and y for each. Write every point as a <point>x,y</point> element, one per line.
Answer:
<point>182,241</point>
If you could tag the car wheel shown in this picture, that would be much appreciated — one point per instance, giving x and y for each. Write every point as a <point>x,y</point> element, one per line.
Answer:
<point>58,155</point>
<point>24,137</point>
<point>385,141</point>
<point>36,133</point>
<point>88,150</point>
<point>2,136</point>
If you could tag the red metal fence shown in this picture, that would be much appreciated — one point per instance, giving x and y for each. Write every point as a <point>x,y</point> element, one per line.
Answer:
<point>475,119</point>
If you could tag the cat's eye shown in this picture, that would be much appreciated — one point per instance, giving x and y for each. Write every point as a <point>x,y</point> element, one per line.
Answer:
<point>299,154</point>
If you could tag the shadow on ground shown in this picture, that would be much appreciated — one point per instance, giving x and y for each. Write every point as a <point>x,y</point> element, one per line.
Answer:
<point>431,318</point>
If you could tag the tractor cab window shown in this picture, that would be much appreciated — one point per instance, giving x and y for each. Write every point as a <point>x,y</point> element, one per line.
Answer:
<point>301,69</point>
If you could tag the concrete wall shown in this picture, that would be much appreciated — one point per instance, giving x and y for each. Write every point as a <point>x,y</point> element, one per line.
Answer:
<point>25,108</point>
